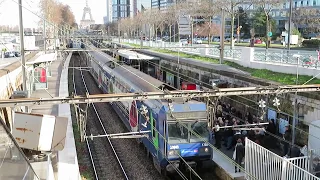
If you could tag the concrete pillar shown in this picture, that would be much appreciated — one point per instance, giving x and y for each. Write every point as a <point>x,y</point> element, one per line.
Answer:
<point>247,55</point>
<point>204,51</point>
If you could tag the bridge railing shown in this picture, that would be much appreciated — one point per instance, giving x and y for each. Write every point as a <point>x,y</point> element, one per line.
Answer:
<point>263,164</point>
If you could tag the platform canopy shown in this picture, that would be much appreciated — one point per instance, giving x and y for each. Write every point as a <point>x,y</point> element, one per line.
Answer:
<point>44,58</point>
<point>132,55</point>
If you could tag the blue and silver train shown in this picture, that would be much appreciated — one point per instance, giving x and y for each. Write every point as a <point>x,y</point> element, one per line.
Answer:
<point>169,139</point>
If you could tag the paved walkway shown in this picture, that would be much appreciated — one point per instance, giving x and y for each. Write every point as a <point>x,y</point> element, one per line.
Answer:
<point>64,163</point>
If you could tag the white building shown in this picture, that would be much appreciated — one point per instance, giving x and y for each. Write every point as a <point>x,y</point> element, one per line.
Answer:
<point>108,18</point>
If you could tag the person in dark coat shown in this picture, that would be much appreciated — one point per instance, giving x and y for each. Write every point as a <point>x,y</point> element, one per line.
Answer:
<point>217,134</point>
<point>316,169</point>
<point>293,152</point>
<point>287,138</point>
<point>238,154</point>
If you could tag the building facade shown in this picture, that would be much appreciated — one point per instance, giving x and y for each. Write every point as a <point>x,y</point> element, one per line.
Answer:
<point>108,18</point>
<point>161,4</point>
<point>123,9</point>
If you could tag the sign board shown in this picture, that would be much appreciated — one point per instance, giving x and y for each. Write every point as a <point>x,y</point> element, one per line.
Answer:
<point>284,33</point>
<point>39,132</point>
<point>184,25</point>
<point>269,34</point>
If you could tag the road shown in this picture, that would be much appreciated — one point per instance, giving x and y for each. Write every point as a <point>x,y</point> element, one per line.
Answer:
<point>7,61</point>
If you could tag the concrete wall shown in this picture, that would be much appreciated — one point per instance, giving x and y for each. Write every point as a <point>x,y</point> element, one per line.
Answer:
<point>68,160</point>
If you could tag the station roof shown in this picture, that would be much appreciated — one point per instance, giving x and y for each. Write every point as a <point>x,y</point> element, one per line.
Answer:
<point>135,56</point>
<point>43,58</point>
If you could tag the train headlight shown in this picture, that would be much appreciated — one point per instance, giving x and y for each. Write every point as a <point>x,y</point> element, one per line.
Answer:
<point>173,153</point>
<point>206,149</point>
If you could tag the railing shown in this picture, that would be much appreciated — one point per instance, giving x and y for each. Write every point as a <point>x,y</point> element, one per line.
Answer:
<point>262,164</point>
<point>280,56</point>
<point>13,163</point>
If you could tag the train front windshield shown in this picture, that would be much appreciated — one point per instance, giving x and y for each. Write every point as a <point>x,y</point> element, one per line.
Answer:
<point>196,132</point>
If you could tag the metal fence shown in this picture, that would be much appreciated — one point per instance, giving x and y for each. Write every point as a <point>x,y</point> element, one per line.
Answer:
<point>13,163</point>
<point>280,56</point>
<point>262,164</point>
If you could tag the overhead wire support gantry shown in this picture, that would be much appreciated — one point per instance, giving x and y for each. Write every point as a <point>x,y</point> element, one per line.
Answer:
<point>159,95</point>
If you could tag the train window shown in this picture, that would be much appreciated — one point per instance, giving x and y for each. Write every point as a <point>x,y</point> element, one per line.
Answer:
<point>153,125</point>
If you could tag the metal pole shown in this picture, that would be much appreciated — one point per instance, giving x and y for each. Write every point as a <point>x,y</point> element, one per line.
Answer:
<point>295,106</point>
<point>119,30</point>
<point>222,36</point>
<point>44,37</point>
<point>289,27</point>
<point>191,30</point>
<point>238,30</point>
<point>23,60</point>
<point>178,74</point>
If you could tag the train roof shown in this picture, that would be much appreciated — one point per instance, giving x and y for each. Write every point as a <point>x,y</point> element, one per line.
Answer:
<point>139,79</point>
<point>132,55</point>
<point>101,56</point>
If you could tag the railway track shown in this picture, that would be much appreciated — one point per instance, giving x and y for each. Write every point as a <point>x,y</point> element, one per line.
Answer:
<point>110,158</point>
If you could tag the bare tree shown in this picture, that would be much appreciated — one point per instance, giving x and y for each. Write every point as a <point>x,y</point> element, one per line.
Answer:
<point>205,10</point>
<point>231,7</point>
<point>205,29</point>
<point>172,19</point>
<point>309,17</point>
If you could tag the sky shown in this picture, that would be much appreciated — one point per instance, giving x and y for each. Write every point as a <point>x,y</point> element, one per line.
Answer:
<point>9,14</point>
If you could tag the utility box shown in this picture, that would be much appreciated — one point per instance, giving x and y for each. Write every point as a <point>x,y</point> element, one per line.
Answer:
<point>19,94</point>
<point>39,132</point>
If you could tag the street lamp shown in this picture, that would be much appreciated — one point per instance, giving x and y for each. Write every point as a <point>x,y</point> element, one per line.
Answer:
<point>289,27</point>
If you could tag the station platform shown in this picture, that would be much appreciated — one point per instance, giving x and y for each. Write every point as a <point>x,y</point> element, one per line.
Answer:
<point>225,168</point>
<point>63,164</point>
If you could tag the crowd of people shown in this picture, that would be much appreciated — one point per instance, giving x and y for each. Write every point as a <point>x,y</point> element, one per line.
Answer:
<point>233,138</point>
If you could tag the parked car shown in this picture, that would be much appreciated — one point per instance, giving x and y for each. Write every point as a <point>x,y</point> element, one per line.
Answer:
<point>9,54</point>
<point>197,41</point>
<point>257,41</point>
<point>184,42</point>
<point>17,54</point>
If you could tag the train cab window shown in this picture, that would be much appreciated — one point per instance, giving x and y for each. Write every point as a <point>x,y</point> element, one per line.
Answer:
<point>177,133</point>
<point>200,128</point>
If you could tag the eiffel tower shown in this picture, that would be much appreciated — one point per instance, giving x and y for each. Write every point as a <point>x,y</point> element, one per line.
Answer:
<point>85,23</point>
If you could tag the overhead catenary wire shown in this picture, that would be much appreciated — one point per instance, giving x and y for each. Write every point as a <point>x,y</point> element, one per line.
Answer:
<point>178,171</point>
<point>274,135</point>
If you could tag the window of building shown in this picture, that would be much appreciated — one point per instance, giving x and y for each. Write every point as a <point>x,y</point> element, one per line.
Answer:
<point>314,2</point>
<point>301,3</point>
<point>284,5</point>
<point>307,3</point>
<point>295,4</point>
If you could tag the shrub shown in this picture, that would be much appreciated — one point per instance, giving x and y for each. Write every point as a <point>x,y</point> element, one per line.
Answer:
<point>312,43</point>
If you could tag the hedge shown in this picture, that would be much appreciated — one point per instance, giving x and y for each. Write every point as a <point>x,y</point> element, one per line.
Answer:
<point>312,43</point>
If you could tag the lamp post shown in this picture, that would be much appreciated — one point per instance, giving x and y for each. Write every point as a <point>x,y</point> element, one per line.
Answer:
<point>289,27</point>
<point>295,100</point>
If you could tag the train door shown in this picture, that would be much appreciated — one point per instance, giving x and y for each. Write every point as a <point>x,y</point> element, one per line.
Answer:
<point>154,132</point>
<point>133,117</point>
<point>99,78</point>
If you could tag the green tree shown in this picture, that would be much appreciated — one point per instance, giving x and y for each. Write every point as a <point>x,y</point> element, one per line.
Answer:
<point>243,19</point>
<point>259,22</point>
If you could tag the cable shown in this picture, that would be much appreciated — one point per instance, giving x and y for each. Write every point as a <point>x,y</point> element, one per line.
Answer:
<point>178,171</point>
<point>247,99</point>
<point>24,7</point>
<point>204,141</point>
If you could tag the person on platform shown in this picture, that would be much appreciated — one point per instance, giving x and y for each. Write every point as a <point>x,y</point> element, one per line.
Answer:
<point>238,154</point>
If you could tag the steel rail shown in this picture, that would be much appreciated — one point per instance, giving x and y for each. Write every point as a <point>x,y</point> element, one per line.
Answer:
<point>87,143</point>
<point>104,129</point>
<point>158,95</point>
